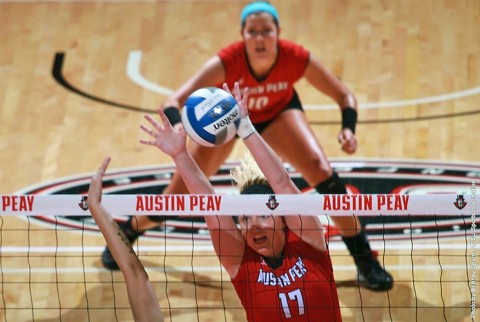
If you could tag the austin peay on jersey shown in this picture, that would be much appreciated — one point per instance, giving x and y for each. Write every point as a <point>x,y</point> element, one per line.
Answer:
<point>301,289</point>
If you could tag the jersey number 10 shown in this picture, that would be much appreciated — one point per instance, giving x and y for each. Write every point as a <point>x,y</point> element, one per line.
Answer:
<point>257,103</point>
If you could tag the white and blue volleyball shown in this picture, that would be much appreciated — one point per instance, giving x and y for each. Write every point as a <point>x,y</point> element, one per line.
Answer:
<point>211,116</point>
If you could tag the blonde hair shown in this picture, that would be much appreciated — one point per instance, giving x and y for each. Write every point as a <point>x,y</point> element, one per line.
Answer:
<point>248,173</point>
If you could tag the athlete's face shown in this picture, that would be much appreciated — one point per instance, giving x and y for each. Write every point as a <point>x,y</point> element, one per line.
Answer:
<point>265,234</point>
<point>260,34</point>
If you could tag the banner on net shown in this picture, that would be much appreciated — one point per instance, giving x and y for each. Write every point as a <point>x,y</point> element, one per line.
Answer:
<point>217,204</point>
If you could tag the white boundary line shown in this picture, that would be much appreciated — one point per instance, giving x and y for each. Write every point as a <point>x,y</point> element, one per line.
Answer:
<point>135,60</point>
<point>133,72</point>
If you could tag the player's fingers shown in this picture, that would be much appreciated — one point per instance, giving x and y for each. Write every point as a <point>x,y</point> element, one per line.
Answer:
<point>164,117</point>
<point>101,170</point>
<point>181,130</point>
<point>246,93</point>
<point>154,122</point>
<point>242,102</point>
<point>148,131</point>
<point>147,142</point>
<point>94,190</point>
<point>236,92</point>
<point>225,87</point>
<point>236,89</point>
<point>105,163</point>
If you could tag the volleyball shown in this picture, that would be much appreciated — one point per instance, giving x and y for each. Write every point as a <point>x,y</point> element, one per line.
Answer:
<point>211,116</point>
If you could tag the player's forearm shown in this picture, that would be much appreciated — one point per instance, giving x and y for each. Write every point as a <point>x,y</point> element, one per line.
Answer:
<point>143,301</point>
<point>117,242</point>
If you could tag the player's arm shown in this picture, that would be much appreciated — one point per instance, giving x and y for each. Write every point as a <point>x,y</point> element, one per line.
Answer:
<point>210,74</point>
<point>141,294</point>
<point>308,228</point>
<point>227,240</point>
<point>327,83</point>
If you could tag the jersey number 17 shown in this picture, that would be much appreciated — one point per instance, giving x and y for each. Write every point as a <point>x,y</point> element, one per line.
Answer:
<point>295,295</point>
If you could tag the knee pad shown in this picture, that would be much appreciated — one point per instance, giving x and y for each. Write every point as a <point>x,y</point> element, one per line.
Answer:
<point>332,185</point>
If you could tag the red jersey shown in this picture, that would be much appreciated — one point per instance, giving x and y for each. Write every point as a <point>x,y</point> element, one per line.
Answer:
<point>269,96</point>
<point>301,289</point>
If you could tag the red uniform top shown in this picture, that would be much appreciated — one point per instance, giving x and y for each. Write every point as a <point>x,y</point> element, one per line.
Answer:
<point>268,96</point>
<point>301,289</point>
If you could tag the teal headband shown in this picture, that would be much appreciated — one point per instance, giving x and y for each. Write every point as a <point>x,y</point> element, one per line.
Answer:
<point>256,7</point>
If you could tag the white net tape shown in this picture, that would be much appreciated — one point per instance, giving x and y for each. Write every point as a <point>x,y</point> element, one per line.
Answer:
<point>204,205</point>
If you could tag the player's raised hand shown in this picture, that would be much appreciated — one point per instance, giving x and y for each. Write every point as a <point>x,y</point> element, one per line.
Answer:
<point>245,128</point>
<point>95,189</point>
<point>168,139</point>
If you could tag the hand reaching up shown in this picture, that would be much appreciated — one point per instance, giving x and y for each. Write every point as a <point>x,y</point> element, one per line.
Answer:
<point>95,189</point>
<point>246,128</point>
<point>169,140</point>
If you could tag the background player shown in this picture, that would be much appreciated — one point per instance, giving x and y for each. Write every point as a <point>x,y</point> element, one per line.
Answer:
<point>270,67</point>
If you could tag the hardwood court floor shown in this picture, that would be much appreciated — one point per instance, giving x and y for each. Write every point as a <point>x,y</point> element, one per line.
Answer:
<point>413,65</point>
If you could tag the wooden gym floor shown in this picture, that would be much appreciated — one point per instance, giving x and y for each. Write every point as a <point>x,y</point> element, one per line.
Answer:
<point>414,66</point>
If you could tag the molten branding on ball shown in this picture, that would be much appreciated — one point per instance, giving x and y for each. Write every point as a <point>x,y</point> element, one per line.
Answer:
<point>226,121</point>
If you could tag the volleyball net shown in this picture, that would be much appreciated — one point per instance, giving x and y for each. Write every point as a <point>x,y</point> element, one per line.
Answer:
<point>50,270</point>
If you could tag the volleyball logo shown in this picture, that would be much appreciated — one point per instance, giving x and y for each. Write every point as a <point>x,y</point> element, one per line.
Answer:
<point>211,116</point>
